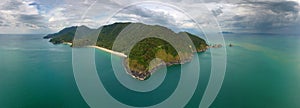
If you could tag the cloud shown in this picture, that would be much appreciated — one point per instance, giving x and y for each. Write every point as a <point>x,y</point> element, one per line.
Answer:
<point>32,19</point>
<point>257,16</point>
<point>29,16</point>
<point>217,11</point>
<point>148,16</point>
<point>277,7</point>
<point>19,17</point>
<point>267,16</point>
<point>151,14</point>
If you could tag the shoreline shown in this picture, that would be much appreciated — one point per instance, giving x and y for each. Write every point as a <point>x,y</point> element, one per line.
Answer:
<point>67,43</point>
<point>145,75</point>
<point>109,51</point>
<point>138,75</point>
<point>102,49</point>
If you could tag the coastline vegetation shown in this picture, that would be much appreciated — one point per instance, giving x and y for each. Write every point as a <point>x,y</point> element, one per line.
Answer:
<point>137,63</point>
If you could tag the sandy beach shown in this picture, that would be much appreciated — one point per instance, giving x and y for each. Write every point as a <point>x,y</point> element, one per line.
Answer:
<point>67,43</point>
<point>103,49</point>
<point>110,51</point>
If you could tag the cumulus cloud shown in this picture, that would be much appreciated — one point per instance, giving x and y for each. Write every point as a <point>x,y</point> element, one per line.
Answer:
<point>18,16</point>
<point>257,16</point>
<point>270,15</point>
<point>46,16</point>
<point>142,14</point>
<point>32,19</point>
<point>217,11</point>
<point>150,14</point>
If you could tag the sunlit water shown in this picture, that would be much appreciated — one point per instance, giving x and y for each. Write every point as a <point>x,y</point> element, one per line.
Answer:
<point>262,71</point>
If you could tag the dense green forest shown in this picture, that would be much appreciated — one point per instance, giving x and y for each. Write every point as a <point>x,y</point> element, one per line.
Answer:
<point>142,52</point>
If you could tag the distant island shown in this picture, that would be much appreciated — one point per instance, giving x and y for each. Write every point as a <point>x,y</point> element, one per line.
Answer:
<point>137,60</point>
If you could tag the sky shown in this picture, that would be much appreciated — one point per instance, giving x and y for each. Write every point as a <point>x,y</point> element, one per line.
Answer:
<point>251,16</point>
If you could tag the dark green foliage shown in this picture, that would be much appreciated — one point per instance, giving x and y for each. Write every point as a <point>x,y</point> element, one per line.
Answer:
<point>67,34</point>
<point>109,33</point>
<point>143,52</point>
<point>146,50</point>
<point>199,43</point>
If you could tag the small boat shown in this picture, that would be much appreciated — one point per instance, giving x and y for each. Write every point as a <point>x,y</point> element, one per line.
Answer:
<point>230,45</point>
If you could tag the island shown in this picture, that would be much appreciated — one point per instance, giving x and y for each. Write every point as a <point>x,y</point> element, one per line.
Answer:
<point>140,61</point>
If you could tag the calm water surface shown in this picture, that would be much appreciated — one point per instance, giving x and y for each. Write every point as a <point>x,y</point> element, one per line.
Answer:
<point>262,71</point>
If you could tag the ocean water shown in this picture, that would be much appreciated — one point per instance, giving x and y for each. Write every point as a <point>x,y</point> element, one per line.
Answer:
<point>262,71</point>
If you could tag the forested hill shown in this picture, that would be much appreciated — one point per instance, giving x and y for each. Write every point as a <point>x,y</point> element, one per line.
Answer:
<point>140,54</point>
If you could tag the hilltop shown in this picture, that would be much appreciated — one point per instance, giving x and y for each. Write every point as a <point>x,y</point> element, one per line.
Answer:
<point>141,60</point>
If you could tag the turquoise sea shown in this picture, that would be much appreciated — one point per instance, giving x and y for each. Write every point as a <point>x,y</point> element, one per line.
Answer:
<point>263,71</point>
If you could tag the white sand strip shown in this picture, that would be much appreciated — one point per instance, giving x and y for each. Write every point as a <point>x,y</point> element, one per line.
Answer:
<point>67,43</point>
<point>103,49</point>
<point>110,51</point>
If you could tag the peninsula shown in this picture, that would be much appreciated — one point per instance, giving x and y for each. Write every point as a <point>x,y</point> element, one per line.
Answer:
<point>140,60</point>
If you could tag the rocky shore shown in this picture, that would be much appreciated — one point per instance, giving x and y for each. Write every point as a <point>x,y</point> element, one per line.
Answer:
<point>215,46</point>
<point>142,53</point>
<point>144,75</point>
